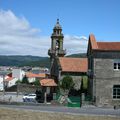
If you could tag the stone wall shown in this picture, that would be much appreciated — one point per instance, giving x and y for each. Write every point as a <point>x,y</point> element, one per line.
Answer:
<point>107,54</point>
<point>23,88</point>
<point>104,78</point>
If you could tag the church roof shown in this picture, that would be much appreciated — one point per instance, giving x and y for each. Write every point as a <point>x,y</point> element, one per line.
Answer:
<point>73,64</point>
<point>103,46</point>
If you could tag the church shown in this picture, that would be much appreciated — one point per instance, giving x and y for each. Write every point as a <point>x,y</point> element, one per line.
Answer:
<point>61,65</point>
<point>102,66</point>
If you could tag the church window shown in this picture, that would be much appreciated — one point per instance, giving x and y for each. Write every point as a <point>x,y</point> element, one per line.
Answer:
<point>116,92</point>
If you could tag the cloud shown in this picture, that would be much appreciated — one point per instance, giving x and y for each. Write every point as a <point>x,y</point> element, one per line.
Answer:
<point>17,37</point>
<point>75,44</point>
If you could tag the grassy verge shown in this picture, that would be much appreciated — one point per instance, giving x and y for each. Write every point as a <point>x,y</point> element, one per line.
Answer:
<point>10,114</point>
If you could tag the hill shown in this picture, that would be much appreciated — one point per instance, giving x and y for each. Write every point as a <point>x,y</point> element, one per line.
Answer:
<point>79,55</point>
<point>17,60</point>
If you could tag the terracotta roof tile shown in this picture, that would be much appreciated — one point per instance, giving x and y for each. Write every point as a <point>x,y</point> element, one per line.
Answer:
<point>31,75</point>
<point>93,41</point>
<point>9,79</point>
<point>47,82</point>
<point>104,46</point>
<point>73,64</point>
<point>108,46</point>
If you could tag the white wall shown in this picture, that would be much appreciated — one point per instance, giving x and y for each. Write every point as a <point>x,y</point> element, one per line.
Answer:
<point>1,83</point>
<point>18,73</point>
<point>31,80</point>
<point>12,82</point>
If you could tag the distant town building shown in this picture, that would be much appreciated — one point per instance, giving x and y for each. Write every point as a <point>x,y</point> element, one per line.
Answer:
<point>18,73</point>
<point>32,76</point>
<point>10,81</point>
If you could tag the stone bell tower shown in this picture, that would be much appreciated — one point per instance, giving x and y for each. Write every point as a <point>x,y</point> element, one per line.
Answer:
<point>56,49</point>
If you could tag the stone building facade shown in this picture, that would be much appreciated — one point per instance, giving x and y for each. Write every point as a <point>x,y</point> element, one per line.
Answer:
<point>104,72</point>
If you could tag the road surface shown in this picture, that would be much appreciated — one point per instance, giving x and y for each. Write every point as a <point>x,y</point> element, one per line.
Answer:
<point>59,109</point>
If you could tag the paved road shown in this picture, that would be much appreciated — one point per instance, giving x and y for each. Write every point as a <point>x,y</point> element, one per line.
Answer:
<point>78,111</point>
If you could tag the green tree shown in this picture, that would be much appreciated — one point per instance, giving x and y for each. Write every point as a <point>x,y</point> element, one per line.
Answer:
<point>67,83</point>
<point>18,81</point>
<point>37,83</point>
<point>25,80</point>
<point>84,82</point>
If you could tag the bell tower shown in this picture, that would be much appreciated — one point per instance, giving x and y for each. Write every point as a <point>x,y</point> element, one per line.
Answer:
<point>56,49</point>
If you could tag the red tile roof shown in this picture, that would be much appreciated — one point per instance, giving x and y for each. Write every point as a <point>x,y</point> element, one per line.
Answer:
<point>48,82</point>
<point>104,46</point>
<point>9,79</point>
<point>109,46</point>
<point>93,41</point>
<point>73,64</point>
<point>32,75</point>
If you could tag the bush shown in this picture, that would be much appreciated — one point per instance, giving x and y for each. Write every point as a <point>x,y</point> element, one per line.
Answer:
<point>84,82</point>
<point>67,83</point>
<point>37,83</point>
<point>25,80</point>
<point>18,81</point>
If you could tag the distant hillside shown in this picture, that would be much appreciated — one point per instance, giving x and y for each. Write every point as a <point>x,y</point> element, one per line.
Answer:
<point>79,55</point>
<point>24,61</point>
<point>18,60</point>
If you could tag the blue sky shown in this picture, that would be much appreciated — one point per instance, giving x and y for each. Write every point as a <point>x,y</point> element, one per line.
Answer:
<point>78,19</point>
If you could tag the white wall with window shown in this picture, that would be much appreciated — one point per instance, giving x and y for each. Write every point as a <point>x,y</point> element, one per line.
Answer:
<point>116,91</point>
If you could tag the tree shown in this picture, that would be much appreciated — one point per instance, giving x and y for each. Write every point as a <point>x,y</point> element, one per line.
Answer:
<point>84,82</point>
<point>25,80</point>
<point>67,83</point>
<point>37,83</point>
<point>18,81</point>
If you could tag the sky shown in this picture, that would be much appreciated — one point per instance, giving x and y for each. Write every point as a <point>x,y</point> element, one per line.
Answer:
<point>26,25</point>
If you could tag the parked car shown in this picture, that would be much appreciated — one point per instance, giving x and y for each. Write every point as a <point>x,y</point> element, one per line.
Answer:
<point>29,98</point>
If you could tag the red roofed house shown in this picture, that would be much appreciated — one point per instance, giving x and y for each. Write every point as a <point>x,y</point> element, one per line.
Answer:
<point>75,67</point>
<point>104,72</point>
<point>32,77</point>
<point>10,81</point>
<point>48,85</point>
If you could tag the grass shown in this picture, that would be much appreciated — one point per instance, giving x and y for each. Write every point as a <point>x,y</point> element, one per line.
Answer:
<point>13,114</point>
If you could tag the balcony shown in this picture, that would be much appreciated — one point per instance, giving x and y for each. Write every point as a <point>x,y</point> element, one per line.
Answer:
<point>57,52</point>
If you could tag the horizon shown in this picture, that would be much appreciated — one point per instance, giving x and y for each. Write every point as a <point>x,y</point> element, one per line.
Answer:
<point>26,30</point>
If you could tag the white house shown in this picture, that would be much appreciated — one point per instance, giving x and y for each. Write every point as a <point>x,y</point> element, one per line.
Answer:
<point>18,73</point>
<point>10,81</point>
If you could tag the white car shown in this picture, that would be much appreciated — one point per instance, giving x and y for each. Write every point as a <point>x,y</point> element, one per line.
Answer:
<point>29,97</point>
